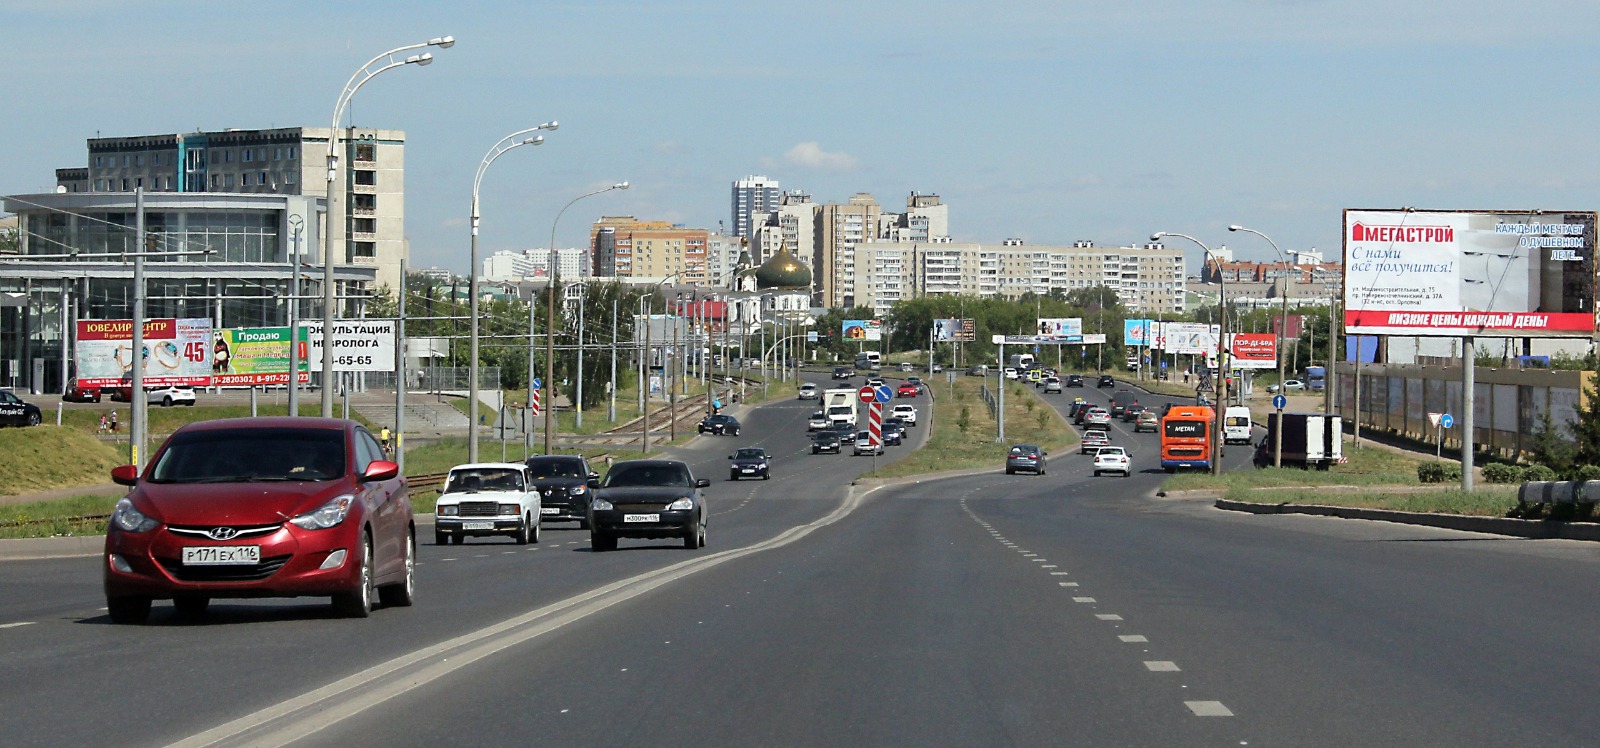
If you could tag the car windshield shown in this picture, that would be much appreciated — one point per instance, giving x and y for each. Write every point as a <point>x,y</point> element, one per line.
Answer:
<point>542,469</point>
<point>839,410</point>
<point>622,476</point>
<point>251,454</point>
<point>473,480</point>
<point>749,454</point>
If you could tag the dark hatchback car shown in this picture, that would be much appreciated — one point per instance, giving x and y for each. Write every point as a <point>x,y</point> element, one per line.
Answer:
<point>720,424</point>
<point>894,432</point>
<point>648,499</point>
<point>1106,380</point>
<point>1074,380</point>
<point>843,372</point>
<point>1027,457</point>
<point>261,507</point>
<point>827,441</point>
<point>565,484</point>
<point>15,412</point>
<point>750,462</point>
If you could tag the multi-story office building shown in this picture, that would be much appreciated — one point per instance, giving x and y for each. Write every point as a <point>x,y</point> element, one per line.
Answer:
<point>283,161</point>
<point>752,195</point>
<point>506,265</point>
<point>625,247</point>
<point>1148,279</point>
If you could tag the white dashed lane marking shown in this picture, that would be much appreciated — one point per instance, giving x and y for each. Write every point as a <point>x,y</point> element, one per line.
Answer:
<point>1108,616</point>
<point>1133,638</point>
<point>16,625</point>
<point>1208,709</point>
<point>1161,666</point>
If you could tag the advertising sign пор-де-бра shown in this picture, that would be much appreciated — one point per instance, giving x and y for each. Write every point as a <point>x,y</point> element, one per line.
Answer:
<point>1453,273</point>
<point>1253,350</point>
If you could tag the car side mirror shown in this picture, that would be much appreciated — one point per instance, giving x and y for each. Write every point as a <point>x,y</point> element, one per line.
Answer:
<point>125,475</point>
<point>593,481</point>
<point>378,470</point>
<point>702,483</point>
<point>730,457</point>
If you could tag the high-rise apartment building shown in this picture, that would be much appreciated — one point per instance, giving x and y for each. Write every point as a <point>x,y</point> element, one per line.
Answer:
<point>285,161</point>
<point>841,227</point>
<point>1149,279</point>
<point>752,195</point>
<point>503,266</point>
<point>626,247</point>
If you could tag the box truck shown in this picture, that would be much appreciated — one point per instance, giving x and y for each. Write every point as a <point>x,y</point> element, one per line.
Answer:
<point>840,405</point>
<point>1309,440</point>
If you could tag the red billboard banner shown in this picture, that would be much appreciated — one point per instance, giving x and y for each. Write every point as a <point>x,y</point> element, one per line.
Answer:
<point>176,351</point>
<point>1296,325</point>
<point>1254,350</point>
<point>1473,322</point>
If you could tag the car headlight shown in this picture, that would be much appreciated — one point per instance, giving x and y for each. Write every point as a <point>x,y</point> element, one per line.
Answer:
<point>683,503</point>
<point>448,510</point>
<point>600,505</point>
<point>510,509</point>
<point>577,490</point>
<point>762,466</point>
<point>130,519</point>
<point>326,516</point>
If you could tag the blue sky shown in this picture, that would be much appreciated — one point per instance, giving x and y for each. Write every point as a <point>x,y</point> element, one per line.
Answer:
<point>1047,121</point>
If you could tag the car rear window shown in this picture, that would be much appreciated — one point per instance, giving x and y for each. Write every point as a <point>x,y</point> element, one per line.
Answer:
<point>251,454</point>
<point>623,476</point>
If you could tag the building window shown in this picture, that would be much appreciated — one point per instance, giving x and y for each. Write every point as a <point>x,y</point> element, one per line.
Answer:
<point>288,177</point>
<point>227,157</point>
<point>138,183</point>
<point>364,249</point>
<point>364,225</point>
<point>227,181</point>
<point>244,179</point>
<point>124,184</point>
<point>277,153</point>
<point>99,161</point>
<point>291,153</point>
<point>366,152</point>
<point>125,160</point>
<point>366,177</point>
<point>261,178</point>
<point>99,185</point>
<point>246,155</point>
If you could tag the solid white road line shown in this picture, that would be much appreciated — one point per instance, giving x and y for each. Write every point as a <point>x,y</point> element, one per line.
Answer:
<point>16,625</point>
<point>310,712</point>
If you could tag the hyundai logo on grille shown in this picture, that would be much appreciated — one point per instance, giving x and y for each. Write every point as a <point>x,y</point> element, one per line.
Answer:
<point>223,533</point>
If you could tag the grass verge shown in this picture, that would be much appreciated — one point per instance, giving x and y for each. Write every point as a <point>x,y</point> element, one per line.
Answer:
<point>1366,466</point>
<point>46,457</point>
<point>1489,501</point>
<point>48,519</point>
<point>963,435</point>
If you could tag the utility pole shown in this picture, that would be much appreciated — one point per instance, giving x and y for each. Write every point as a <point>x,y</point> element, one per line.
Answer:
<point>138,408</point>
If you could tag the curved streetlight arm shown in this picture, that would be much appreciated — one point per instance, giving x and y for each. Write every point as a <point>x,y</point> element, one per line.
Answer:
<point>501,147</point>
<point>365,73</point>
<point>617,186</point>
<point>1222,390</point>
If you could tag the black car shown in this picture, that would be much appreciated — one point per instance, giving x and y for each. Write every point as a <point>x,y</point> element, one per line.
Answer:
<point>1121,400</point>
<point>827,440</point>
<point>894,432</point>
<point>648,499</point>
<point>843,372</point>
<point>14,412</point>
<point>1079,410</point>
<point>1131,413</point>
<point>724,425</point>
<point>1074,380</point>
<point>565,484</point>
<point>1106,380</point>
<point>750,462</point>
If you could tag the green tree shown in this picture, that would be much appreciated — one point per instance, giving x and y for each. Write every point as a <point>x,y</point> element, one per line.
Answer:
<point>1550,448</point>
<point>1586,429</point>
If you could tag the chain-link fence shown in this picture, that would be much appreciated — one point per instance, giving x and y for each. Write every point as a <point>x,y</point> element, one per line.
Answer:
<point>437,378</point>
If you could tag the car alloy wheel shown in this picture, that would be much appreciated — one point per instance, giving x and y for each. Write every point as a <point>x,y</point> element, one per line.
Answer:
<point>403,593</point>
<point>33,419</point>
<point>357,603</point>
<point>166,402</point>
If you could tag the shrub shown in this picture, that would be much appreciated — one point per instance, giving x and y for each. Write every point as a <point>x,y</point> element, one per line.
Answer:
<point>1499,472</point>
<point>1538,472</point>
<point>1438,472</point>
<point>1587,472</point>
<point>964,421</point>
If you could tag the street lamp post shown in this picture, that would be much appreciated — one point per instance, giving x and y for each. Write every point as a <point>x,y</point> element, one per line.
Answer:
<point>1220,382</point>
<point>1283,329</point>
<point>554,269</point>
<point>514,140</point>
<point>357,80</point>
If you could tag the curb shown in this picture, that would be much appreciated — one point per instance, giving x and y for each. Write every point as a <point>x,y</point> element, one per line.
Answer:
<point>1533,529</point>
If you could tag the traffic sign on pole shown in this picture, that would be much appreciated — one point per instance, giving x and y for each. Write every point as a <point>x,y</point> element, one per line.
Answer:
<point>875,423</point>
<point>1448,421</point>
<point>538,385</point>
<point>883,394</point>
<point>1280,402</point>
<point>866,394</point>
<point>533,405</point>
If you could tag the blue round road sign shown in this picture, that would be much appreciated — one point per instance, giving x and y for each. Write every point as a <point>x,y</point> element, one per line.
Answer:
<point>882,394</point>
<point>538,385</point>
<point>1448,421</point>
<point>1280,402</point>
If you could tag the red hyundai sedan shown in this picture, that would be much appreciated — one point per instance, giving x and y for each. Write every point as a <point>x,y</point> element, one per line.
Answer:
<point>261,507</point>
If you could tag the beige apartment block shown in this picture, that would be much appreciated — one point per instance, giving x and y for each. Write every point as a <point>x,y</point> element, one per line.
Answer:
<point>285,161</point>
<point>625,247</point>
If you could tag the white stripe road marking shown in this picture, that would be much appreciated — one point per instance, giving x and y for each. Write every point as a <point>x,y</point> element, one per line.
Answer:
<point>1161,666</point>
<point>1049,566</point>
<point>1208,709</point>
<point>1133,638</point>
<point>304,715</point>
<point>1067,584</point>
<point>1083,599</point>
<point>1058,573</point>
<point>1108,616</point>
<point>15,625</point>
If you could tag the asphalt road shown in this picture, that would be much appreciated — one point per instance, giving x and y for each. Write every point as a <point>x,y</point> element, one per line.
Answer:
<point>981,610</point>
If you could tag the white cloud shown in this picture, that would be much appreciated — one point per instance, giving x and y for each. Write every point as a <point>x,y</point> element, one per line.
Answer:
<point>810,155</point>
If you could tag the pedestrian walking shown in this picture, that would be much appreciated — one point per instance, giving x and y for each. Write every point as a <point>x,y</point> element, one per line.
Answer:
<point>113,422</point>
<point>105,425</point>
<point>383,437</point>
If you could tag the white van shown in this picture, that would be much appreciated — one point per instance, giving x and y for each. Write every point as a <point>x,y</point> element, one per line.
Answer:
<point>1236,425</point>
